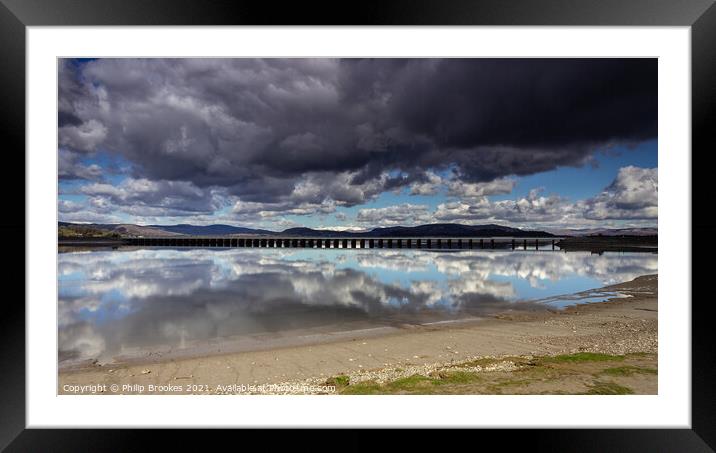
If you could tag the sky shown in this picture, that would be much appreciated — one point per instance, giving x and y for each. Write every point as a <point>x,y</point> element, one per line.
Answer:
<point>358,143</point>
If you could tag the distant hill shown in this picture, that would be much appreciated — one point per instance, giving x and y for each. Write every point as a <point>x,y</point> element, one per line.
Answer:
<point>70,231</point>
<point>607,232</point>
<point>310,232</point>
<point>103,229</point>
<point>435,230</point>
<point>209,230</point>
<point>138,230</point>
<point>456,230</point>
<point>164,230</point>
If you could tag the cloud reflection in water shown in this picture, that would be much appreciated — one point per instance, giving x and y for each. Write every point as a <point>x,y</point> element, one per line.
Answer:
<point>113,301</point>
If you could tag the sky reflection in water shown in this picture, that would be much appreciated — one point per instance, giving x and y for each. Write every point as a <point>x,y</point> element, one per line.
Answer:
<point>113,301</point>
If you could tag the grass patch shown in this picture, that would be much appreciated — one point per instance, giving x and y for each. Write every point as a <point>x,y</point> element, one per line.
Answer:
<point>627,371</point>
<point>583,357</point>
<point>608,388</point>
<point>339,381</point>
<point>415,384</point>
<point>547,374</point>
<point>411,384</point>
<point>363,388</point>
<point>509,386</point>
<point>409,381</point>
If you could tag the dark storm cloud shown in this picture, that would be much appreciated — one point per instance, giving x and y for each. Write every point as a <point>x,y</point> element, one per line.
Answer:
<point>70,91</point>
<point>262,129</point>
<point>67,119</point>
<point>529,103</point>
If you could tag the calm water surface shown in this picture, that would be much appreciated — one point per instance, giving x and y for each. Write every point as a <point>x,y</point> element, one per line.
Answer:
<point>130,302</point>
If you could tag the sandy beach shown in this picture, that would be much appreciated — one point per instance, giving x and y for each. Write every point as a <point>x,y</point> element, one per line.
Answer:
<point>605,347</point>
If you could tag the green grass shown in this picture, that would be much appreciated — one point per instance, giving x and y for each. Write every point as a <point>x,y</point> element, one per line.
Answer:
<point>415,384</point>
<point>422,385</point>
<point>549,370</point>
<point>339,381</point>
<point>342,380</point>
<point>583,357</point>
<point>412,384</point>
<point>363,388</point>
<point>608,388</point>
<point>628,371</point>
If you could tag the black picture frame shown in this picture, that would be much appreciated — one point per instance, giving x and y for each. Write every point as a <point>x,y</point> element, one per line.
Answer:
<point>16,15</point>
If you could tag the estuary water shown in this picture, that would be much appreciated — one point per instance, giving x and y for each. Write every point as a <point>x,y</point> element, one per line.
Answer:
<point>143,302</point>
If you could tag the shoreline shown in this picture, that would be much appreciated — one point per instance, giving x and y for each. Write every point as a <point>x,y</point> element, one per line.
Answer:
<point>617,326</point>
<point>600,244</point>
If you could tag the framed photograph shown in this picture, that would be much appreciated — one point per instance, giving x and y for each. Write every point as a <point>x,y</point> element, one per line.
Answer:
<point>382,221</point>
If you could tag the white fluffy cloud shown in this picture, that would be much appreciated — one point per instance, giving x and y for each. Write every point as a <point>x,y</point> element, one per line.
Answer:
<point>433,184</point>
<point>632,195</point>
<point>404,214</point>
<point>535,207</point>
<point>463,189</point>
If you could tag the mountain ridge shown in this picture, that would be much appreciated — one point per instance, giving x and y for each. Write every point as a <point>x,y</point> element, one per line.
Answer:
<point>435,229</point>
<point>648,231</point>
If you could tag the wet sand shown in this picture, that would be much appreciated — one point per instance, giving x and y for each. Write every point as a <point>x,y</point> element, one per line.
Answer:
<point>618,327</point>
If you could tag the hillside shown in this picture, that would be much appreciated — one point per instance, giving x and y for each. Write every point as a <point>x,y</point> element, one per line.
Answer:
<point>99,230</point>
<point>606,232</point>
<point>457,230</point>
<point>76,231</point>
<point>208,230</point>
<point>435,230</point>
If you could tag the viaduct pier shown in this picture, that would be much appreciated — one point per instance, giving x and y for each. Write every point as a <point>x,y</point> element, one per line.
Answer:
<point>525,243</point>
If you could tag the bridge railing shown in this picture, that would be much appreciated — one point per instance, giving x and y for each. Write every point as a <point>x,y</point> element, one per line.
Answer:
<point>433,242</point>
